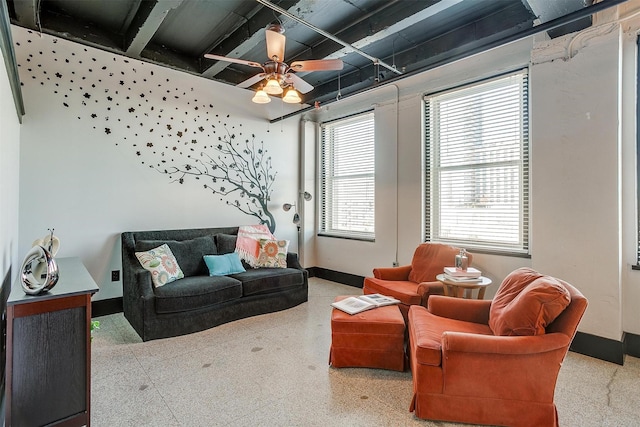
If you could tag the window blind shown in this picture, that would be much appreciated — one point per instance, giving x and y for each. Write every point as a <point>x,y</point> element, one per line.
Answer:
<point>347,177</point>
<point>477,165</point>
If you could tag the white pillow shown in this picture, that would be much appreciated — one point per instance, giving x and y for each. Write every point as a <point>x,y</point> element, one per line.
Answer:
<point>162,264</point>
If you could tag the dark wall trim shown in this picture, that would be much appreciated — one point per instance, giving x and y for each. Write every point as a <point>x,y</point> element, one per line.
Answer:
<point>607,349</point>
<point>632,344</point>
<point>106,306</point>
<point>598,347</point>
<point>336,276</point>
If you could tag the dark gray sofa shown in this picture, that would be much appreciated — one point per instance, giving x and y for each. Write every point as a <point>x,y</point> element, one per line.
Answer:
<point>198,301</point>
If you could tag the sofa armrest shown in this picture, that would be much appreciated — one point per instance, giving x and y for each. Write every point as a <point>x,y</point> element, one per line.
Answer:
<point>468,310</point>
<point>293,261</point>
<point>143,286</point>
<point>392,273</point>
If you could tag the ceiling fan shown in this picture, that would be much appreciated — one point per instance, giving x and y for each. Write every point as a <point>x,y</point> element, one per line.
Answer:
<point>279,74</point>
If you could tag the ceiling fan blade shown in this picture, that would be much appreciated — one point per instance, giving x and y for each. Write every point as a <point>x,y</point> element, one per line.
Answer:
<point>234,60</point>
<point>300,85</point>
<point>275,45</point>
<point>317,65</point>
<point>251,80</point>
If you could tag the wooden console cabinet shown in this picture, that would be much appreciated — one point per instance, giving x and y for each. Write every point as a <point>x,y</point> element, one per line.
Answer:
<point>48,366</point>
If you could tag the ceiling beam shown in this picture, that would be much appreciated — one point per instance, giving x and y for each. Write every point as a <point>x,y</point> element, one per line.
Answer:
<point>498,25</point>
<point>27,13</point>
<point>397,26</point>
<point>362,27</point>
<point>483,46</point>
<point>548,10</point>
<point>145,23</point>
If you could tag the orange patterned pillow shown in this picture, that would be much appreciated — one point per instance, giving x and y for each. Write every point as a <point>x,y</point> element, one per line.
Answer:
<point>272,253</point>
<point>532,309</point>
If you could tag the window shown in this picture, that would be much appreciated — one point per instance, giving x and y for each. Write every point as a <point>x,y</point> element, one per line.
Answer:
<point>348,177</point>
<point>477,165</point>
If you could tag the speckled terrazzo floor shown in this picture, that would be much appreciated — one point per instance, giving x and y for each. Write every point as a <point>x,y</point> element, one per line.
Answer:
<point>272,370</point>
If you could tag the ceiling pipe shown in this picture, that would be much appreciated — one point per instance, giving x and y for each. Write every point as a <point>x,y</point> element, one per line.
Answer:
<point>554,23</point>
<point>328,35</point>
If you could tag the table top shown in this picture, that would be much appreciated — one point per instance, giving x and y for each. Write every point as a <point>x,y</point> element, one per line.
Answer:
<point>74,279</point>
<point>484,282</point>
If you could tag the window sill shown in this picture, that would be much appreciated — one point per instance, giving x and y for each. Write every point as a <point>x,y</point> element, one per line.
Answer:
<point>340,236</point>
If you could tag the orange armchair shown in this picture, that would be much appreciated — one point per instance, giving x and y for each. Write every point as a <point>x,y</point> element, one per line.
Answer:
<point>494,362</point>
<point>412,284</point>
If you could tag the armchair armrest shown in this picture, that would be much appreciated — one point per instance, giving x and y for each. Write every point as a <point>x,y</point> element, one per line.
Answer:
<point>392,273</point>
<point>504,345</point>
<point>468,310</point>
<point>526,365</point>
<point>428,289</point>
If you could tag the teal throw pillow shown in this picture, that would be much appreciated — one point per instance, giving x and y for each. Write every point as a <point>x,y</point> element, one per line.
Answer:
<point>221,265</point>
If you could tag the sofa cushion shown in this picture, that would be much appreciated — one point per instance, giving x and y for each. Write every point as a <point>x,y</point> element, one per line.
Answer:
<point>265,280</point>
<point>196,292</point>
<point>272,253</point>
<point>188,253</point>
<point>226,243</point>
<point>222,265</point>
<point>162,264</point>
<point>535,307</point>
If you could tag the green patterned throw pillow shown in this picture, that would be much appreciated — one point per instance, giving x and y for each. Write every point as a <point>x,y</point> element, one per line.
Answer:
<point>162,264</point>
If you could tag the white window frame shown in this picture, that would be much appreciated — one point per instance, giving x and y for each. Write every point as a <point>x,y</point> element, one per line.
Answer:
<point>347,177</point>
<point>461,207</point>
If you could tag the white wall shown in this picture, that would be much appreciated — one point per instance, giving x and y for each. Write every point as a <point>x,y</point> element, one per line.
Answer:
<point>9,171</point>
<point>399,165</point>
<point>575,186</point>
<point>95,123</point>
<point>582,167</point>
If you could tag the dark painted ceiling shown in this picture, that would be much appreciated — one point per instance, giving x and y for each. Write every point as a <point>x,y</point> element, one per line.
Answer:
<point>404,36</point>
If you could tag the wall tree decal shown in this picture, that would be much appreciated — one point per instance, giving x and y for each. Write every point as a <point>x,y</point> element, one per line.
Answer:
<point>242,169</point>
<point>164,124</point>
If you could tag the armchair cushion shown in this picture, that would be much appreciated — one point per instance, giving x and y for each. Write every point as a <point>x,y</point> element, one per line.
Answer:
<point>532,310</point>
<point>428,333</point>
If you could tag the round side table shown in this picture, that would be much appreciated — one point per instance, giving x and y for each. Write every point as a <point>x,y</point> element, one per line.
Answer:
<point>458,289</point>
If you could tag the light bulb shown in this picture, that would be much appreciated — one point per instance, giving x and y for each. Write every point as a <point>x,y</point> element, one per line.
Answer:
<point>292,97</point>
<point>261,97</point>
<point>273,87</point>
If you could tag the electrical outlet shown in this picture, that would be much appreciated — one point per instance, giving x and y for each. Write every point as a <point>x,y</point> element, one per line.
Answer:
<point>115,275</point>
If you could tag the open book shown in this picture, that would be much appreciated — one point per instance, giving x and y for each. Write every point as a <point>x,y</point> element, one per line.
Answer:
<point>353,305</point>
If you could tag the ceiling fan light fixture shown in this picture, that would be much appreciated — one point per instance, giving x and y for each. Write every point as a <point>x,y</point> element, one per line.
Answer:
<point>273,87</point>
<point>261,97</point>
<point>292,97</point>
